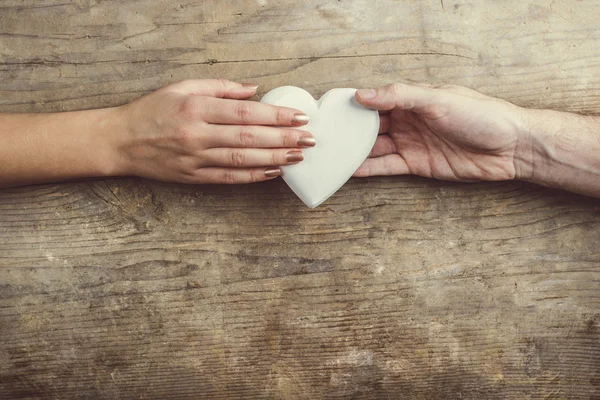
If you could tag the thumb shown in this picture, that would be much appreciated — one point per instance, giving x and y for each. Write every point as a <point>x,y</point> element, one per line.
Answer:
<point>397,96</point>
<point>221,88</point>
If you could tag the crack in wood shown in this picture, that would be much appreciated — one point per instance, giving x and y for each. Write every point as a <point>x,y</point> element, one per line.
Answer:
<point>213,61</point>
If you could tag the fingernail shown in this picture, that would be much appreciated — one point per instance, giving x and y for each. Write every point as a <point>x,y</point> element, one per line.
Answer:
<point>249,86</point>
<point>367,94</point>
<point>300,119</point>
<point>273,173</point>
<point>307,142</point>
<point>294,156</point>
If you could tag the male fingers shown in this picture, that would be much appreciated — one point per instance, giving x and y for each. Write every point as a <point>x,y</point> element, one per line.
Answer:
<point>391,164</point>
<point>384,123</point>
<point>397,96</point>
<point>384,145</point>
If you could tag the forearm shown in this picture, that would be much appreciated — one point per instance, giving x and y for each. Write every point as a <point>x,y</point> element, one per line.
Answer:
<point>562,150</point>
<point>37,148</point>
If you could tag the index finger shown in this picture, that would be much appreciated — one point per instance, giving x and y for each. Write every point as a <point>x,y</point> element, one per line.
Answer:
<point>398,96</point>
<point>240,112</point>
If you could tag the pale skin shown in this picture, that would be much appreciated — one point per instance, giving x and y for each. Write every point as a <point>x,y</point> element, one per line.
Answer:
<point>205,131</point>
<point>457,134</point>
<point>196,131</point>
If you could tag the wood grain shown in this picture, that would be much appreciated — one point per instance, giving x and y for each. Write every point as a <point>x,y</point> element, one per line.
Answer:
<point>395,288</point>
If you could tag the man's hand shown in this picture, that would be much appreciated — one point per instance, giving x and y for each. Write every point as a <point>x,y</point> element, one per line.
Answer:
<point>447,132</point>
<point>455,133</point>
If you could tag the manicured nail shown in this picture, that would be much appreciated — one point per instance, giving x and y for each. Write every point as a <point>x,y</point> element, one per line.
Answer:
<point>249,86</point>
<point>307,142</point>
<point>300,119</point>
<point>367,94</point>
<point>294,156</point>
<point>273,173</point>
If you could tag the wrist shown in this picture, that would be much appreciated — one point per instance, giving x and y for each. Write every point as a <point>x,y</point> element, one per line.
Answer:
<point>537,145</point>
<point>529,149</point>
<point>560,150</point>
<point>106,139</point>
<point>538,149</point>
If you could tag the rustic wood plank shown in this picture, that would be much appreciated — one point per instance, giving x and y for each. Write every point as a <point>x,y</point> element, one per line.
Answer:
<point>395,288</point>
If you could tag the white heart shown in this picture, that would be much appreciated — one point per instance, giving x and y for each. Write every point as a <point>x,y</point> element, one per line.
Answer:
<point>345,133</point>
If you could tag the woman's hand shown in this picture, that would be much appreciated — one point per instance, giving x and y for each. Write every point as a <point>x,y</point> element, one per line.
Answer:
<point>447,132</point>
<point>204,131</point>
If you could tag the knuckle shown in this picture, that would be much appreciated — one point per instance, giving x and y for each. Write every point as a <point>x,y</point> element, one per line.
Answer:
<point>187,172</point>
<point>289,137</point>
<point>182,83</point>
<point>201,161</point>
<point>247,137</point>
<point>396,88</point>
<point>229,177</point>
<point>223,82</point>
<point>237,158</point>
<point>243,111</point>
<point>256,176</point>
<point>436,110</point>
<point>184,136</point>
<point>277,158</point>
<point>187,82</point>
<point>282,116</point>
<point>188,108</point>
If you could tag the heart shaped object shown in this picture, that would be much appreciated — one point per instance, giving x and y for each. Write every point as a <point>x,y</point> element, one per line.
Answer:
<point>345,133</point>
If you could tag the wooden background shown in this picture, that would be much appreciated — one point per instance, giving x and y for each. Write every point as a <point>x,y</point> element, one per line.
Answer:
<point>395,288</point>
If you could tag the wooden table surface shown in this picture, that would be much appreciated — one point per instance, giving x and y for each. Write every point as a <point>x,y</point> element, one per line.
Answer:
<point>396,287</point>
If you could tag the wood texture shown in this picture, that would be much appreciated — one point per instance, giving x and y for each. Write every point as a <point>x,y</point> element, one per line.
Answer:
<point>395,288</point>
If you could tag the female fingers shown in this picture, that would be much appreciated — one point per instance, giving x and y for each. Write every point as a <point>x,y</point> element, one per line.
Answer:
<point>213,87</point>
<point>249,157</point>
<point>243,136</point>
<point>235,175</point>
<point>238,112</point>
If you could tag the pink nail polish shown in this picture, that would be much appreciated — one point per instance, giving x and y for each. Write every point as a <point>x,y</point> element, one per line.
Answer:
<point>294,156</point>
<point>273,173</point>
